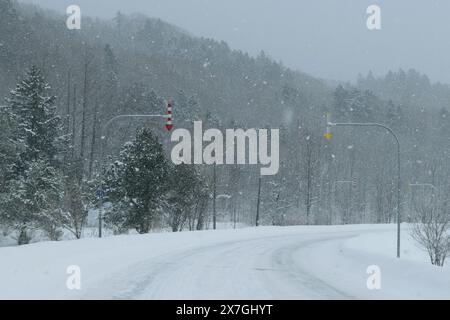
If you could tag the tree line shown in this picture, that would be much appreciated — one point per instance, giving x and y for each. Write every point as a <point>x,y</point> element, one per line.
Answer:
<point>43,186</point>
<point>130,64</point>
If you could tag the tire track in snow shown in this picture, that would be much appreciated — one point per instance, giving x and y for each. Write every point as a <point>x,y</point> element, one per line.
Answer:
<point>261,268</point>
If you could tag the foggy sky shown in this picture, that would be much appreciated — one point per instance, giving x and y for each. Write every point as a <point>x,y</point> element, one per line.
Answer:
<point>325,38</point>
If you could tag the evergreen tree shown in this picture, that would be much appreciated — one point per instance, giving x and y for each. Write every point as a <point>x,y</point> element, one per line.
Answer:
<point>340,108</point>
<point>137,183</point>
<point>34,200</point>
<point>9,154</point>
<point>36,180</point>
<point>394,115</point>
<point>38,125</point>
<point>9,148</point>
<point>187,110</point>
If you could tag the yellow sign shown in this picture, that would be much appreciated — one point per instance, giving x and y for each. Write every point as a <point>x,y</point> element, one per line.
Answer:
<point>328,136</point>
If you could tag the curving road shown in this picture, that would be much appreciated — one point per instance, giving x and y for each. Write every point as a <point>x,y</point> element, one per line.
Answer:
<point>261,268</point>
<point>303,262</point>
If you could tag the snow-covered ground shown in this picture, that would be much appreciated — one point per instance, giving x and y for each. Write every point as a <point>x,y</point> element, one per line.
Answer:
<point>305,262</point>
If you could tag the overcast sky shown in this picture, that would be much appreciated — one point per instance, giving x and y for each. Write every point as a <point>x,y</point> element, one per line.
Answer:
<point>326,38</point>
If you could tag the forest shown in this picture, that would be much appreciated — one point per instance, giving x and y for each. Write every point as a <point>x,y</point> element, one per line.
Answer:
<point>60,88</point>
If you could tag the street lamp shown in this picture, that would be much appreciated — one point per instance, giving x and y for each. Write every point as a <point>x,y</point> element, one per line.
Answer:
<point>329,136</point>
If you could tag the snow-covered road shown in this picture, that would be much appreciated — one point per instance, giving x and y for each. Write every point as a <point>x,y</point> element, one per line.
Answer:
<point>263,263</point>
<point>263,268</point>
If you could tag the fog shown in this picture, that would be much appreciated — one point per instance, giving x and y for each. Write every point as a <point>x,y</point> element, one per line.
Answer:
<point>327,38</point>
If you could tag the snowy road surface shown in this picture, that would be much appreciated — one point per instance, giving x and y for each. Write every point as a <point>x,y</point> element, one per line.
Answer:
<point>263,263</point>
<point>263,268</point>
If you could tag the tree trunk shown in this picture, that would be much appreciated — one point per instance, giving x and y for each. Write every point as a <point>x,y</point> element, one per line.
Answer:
<point>258,202</point>
<point>74,110</point>
<point>308,183</point>
<point>93,141</point>
<point>83,118</point>
<point>69,89</point>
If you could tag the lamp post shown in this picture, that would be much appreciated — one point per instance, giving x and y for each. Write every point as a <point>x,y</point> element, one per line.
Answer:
<point>169,127</point>
<point>214,197</point>
<point>329,136</point>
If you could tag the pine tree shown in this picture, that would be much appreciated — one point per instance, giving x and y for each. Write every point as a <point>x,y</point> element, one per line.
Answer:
<point>137,183</point>
<point>36,182</point>
<point>186,109</point>
<point>9,148</point>
<point>34,200</point>
<point>39,126</point>
<point>119,20</point>
<point>9,155</point>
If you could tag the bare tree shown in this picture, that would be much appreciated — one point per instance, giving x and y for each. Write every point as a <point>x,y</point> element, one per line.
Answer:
<point>93,140</point>
<point>78,198</point>
<point>83,121</point>
<point>432,230</point>
<point>310,162</point>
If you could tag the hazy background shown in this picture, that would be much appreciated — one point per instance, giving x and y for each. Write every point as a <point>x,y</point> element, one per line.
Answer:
<point>326,38</point>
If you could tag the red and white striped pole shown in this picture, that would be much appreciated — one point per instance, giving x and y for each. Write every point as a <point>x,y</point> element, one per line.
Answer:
<point>169,116</point>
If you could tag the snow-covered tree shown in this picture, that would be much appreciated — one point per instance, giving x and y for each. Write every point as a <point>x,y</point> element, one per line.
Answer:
<point>9,148</point>
<point>186,186</point>
<point>432,229</point>
<point>35,183</point>
<point>9,154</point>
<point>39,126</point>
<point>35,197</point>
<point>137,183</point>
<point>79,197</point>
